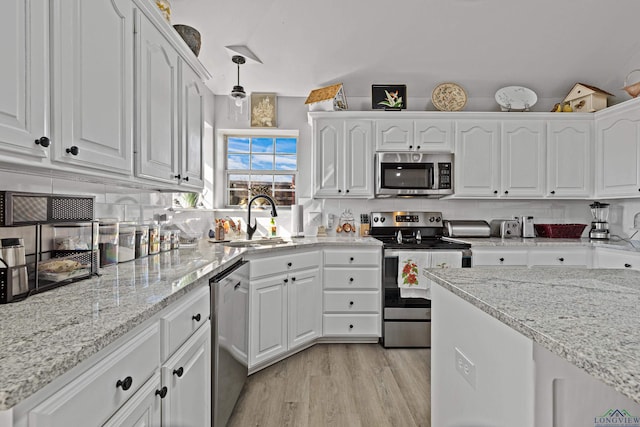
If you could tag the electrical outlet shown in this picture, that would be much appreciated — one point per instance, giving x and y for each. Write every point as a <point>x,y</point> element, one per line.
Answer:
<point>465,367</point>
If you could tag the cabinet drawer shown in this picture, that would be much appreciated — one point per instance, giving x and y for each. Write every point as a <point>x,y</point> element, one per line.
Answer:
<point>179,324</point>
<point>351,278</point>
<point>282,263</point>
<point>352,257</point>
<point>617,259</point>
<point>511,257</point>
<point>354,302</point>
<point>351,325</point>
<point>560,257</point>
<point>99,392</point>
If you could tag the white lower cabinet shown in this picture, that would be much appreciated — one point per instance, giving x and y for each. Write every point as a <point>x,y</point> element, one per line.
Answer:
<point>613,258</point>
<point>499,256</point>
<point>535,256</point>
<point>135,384</point>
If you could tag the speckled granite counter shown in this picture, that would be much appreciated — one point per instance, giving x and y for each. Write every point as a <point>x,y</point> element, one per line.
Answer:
<point>546,242</point>
<point>588,317</point>
<point>47,334</point>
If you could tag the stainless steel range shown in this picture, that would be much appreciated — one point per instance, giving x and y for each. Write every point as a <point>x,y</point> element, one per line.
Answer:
<point>415,236</point>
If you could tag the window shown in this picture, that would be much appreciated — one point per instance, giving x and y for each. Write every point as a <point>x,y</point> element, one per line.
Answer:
<point>261,165</point>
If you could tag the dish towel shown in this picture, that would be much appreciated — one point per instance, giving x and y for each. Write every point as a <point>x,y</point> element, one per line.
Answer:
<point>410,282</point>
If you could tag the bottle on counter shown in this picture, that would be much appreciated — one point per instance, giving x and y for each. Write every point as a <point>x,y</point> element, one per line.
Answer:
<point>154,239</point>
<point>274,230</point>
<point>219,230</point>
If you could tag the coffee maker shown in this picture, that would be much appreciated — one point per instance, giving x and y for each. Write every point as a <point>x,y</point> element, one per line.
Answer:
<point>599,225</point>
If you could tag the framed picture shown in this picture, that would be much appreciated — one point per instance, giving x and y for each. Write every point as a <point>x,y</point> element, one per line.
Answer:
<point>389,97</point>
<point>264,110</point>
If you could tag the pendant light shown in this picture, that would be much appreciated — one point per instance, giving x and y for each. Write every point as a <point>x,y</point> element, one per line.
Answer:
<point>238,95</point>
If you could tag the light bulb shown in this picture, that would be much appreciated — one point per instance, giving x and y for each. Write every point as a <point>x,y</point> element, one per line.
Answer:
<point>238,102</point>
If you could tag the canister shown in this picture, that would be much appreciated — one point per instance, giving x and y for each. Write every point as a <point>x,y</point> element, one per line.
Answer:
<point>108,240</point>
<point>175,239</point>
<point>165,240</point>
<point>154,239</point>
<point>142,241</point>
<point>127,242</point>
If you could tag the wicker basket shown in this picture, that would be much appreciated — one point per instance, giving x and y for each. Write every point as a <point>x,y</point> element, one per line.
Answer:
<point>560,231</point>
<point>633,89</point>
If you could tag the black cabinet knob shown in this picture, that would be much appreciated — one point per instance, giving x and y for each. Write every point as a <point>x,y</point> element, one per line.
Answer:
<point>73,150</point>
<point>186,178</point>
<point>351,259</point>
<point>286,280</point>
<point>43,141</point>
<point>347,190</point>
<point>350,326</point>
<point>178,372</point>
<point>162,392</point>
<point>561,259</point>
<point>197,317</point>
<point>177,176</point>
<point>293,279</point>
<point>289,264</point>
<point>495,191</point>
<point>350,303</point>
<point>553,191</point>
<point>627,265</point>
<point>501,259</point>
<point>410,147</point>
<point>506,192</point>
<point>339,191</point>
<point>350,279</point>
<point>125,384</point>
<point>418,147</point>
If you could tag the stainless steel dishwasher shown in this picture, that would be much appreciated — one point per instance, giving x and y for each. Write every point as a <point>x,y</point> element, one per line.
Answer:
<point>229,323</point>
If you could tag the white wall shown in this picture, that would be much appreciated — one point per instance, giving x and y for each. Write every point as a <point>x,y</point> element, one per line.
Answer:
<point>292,115</point>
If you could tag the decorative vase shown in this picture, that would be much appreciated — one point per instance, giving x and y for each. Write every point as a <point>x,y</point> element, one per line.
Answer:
<point>191,36</point>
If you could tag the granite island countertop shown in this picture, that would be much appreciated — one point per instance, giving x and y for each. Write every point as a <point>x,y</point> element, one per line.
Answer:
<point>515,242</point>
<point>49,333</point>
<point>588,317</point>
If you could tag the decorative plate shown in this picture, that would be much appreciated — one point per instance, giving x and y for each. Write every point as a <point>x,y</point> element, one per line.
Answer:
<point>449,97</point>
<point>516,98</point>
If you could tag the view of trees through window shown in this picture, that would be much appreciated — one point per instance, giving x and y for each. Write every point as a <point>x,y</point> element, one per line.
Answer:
<point>261,165</point>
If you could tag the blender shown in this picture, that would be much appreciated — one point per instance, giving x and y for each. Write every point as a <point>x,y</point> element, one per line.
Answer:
<point>599,225</point>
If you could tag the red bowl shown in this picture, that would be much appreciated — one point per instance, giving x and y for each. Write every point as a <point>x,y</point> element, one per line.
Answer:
<point>560,231</point>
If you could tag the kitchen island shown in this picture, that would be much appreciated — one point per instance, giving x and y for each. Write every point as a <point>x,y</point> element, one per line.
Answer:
<point>534,336</point>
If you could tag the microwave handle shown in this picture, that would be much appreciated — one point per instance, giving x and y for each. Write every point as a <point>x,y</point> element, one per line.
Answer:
<point>434,184</point>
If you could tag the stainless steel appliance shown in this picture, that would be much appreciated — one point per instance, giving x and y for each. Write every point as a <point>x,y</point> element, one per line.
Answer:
<point>526,226</point>
<point>506,228</point>
<point>229,328</point>
<point>599,225</point>
<point>14,280</point>
<point>414,174</point>
<point>407,321</point>
<point>466,228</point>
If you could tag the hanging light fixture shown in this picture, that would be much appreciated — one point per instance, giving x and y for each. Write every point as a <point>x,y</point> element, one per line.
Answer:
<point>238,95</point>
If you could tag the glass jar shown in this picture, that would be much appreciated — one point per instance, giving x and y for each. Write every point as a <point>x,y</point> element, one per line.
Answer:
<point>165,8</point>
<point>108,240</point>
<point>154,239</point>
<point>165,240</point>
<point>175,239</point>
<point>142,241</point>
<point>127,242</point>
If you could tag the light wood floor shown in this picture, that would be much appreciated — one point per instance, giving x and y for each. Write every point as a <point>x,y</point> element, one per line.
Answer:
<point>340,385</point>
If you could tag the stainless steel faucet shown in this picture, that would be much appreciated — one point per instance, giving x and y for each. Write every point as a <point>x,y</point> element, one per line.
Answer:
<point>252,229</point>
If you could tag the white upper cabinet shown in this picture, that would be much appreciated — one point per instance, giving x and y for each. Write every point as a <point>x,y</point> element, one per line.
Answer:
<point>523,165</point>
<point>477,158</point>
<point>618,151</point>
<point>569,158</point>
<point>92,84</point>
<point>344,158</point>
<point>157,109</point>
<point>24,96</point>
<point>191,126</point>
<point>414,135</point>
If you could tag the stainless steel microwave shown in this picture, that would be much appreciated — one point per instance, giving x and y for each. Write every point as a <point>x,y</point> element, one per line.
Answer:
<point>414,174</point>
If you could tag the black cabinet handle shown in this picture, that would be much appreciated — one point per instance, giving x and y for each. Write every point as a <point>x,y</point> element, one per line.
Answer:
<point>350,303</point>
<point>501,260</point>
<point>495,191</point>
<point>506,192</point>
<point>43,141</point>
<point>162,392</point>
<point>289,264</point>
<point>627,265</point>
<point>197,317</point>
<point>350,326</point>
<point>553,191</point>
<point>177,176</point>
<point>561,259</point>
<point>125,384</point>
<point>178,372</point>
<point>186,178</point>
<point>73,150</point>
<point>350,279</point>
<point>286,280</point>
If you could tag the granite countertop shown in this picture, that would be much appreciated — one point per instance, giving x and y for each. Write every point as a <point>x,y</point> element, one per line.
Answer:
<point>482,242</point>
<point>588,317</point>
<point>47,334</point>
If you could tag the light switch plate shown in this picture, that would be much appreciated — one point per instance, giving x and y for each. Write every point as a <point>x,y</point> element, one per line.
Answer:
<point>465,367</point>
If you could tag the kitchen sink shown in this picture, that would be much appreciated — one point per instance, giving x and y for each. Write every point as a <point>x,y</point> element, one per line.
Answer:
<point>256,243</point>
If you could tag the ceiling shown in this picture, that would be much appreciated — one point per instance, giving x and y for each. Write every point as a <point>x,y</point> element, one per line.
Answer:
<point>483,45</point>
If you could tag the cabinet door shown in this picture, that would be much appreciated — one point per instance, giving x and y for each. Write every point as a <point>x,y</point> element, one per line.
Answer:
<point>569,169</point>
<point>187,376</point>
<point>612,258</point>
<point>328,139</point>
<point>157,107</point>
<point>434,135</point>
<point>358,162</point>
<point>477,160</point>
<point>92,84</point>
<point>523,164</point>
<point>618,154</point>
<point>24,97</point>
<point>394,135</point>
<point>305,308</point>
<point>143,409</point>
<point>267,319</point>
<point>191,127</point>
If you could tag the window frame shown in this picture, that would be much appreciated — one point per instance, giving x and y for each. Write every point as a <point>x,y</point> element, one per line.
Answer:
<point>247,133</point>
